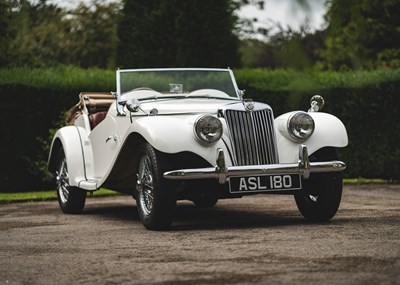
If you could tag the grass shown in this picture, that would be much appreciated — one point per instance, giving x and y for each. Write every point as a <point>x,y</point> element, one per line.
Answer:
<point>361,180</point>
<point>6,198</point>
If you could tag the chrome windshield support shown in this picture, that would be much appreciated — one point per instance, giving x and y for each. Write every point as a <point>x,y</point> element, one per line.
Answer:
<point>222,173</point>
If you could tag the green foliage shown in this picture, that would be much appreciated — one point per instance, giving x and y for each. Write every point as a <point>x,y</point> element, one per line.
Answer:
<point>33,101</point>
<point>145,33</point>
<point>211,43</point>
<point>177,34</point>
<point>42,34</point>
<point>366,102</point>
<point>91,35</point>
<point>362,34</point>
<point>63,78</point>
<point>6,32</point>
<point>197,33</point>
<point>285,49</point>
<point>361,180</point>
<point>291,80</point>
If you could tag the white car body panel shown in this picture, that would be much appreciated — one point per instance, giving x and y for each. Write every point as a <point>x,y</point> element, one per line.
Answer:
<point>105,141</point>
<point>71,141</point>
<point>329,131</point>
<point>174,135</point>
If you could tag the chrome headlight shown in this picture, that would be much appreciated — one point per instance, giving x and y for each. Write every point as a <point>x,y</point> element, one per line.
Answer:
<point>208,129</point>
<point>300,126</point>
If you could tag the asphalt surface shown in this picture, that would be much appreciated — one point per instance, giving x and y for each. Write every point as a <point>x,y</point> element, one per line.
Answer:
<point>253,240</point>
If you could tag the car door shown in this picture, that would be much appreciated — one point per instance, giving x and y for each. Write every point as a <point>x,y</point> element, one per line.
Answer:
<point>105,141</point>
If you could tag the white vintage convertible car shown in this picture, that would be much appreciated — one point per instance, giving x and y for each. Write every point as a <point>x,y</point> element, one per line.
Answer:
<point>188,134</point>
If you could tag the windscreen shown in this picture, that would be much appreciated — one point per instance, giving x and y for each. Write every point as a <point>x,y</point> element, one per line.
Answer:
<point>167,81</point>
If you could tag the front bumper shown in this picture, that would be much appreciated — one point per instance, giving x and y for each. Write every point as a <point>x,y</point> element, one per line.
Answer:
<point>221,172</point>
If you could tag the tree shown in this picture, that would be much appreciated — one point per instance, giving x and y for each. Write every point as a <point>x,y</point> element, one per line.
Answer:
<point>205,34</point>
<point>145,34</point>
<point>6,31</point>
<point>31,33</point>
<point>91,35</point>
<point>285,49</point>
<point>43,34</point>
<point>362,34</point>
<point>177,33</point>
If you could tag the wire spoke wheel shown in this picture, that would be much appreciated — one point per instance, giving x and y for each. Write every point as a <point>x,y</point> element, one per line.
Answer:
<point>71,199</point>
<point>155,196</point>
<point>144,185</point>
<point>62,179</point>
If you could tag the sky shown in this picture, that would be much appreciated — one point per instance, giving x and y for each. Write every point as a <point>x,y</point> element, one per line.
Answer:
<point>287,13</point>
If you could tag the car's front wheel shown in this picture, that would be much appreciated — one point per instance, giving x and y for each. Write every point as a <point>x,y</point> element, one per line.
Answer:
<point>155,196</point>
<point>320,197</point>
<point>71,199</point>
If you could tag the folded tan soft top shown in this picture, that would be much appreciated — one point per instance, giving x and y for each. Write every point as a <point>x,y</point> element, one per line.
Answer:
<point>89,102</point>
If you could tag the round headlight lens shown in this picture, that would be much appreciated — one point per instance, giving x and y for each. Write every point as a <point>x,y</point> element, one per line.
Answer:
<point>208,129</point>
<point>300,126</point>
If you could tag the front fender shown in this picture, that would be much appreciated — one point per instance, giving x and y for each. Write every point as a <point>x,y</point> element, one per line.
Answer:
<point>68,138</point>
<point>174,135</point>
<point>329,132</point>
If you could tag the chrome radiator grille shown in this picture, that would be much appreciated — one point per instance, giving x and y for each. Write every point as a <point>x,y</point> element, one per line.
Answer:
<point>253,136</point>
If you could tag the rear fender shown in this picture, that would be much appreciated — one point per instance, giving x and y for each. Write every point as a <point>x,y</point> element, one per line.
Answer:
<point>73,140</point>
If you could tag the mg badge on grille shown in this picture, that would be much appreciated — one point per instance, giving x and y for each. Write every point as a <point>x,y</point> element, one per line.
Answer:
<point>248,105</point>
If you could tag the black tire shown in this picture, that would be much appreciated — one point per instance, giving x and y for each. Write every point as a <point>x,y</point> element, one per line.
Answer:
<point>155,196</point>
<point>320,197</point>
<point>71,199</point>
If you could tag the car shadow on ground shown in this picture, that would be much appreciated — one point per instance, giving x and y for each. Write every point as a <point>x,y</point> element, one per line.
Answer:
<point>189,217</point>
<point>119,212</point>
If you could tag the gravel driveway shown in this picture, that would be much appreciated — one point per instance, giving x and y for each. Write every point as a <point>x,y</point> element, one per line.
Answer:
<point>253,240</point>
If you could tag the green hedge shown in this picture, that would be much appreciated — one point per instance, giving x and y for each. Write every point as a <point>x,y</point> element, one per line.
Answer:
<point>33,102</point>
<point>367,102</point>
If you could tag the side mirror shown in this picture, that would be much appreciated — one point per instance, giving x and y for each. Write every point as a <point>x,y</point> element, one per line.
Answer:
<point>317,102</point>
<point>133,105</point>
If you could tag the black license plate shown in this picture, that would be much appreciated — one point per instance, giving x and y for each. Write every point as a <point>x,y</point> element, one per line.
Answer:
<point>264,183</point>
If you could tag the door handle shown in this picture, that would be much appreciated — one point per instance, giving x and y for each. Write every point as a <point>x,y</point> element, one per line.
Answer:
<point>113,137</point>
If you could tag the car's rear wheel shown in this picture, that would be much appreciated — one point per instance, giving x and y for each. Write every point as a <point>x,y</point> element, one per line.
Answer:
<point>320,197</point>
<point>155,196</point>
<point>205,194</point>
<point>71,199</point>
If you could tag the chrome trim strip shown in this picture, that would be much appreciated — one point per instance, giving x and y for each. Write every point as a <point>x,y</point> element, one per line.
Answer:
<point>222,173</point>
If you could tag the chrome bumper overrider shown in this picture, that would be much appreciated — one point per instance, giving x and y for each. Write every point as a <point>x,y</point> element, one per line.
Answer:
<point>221,172</point>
